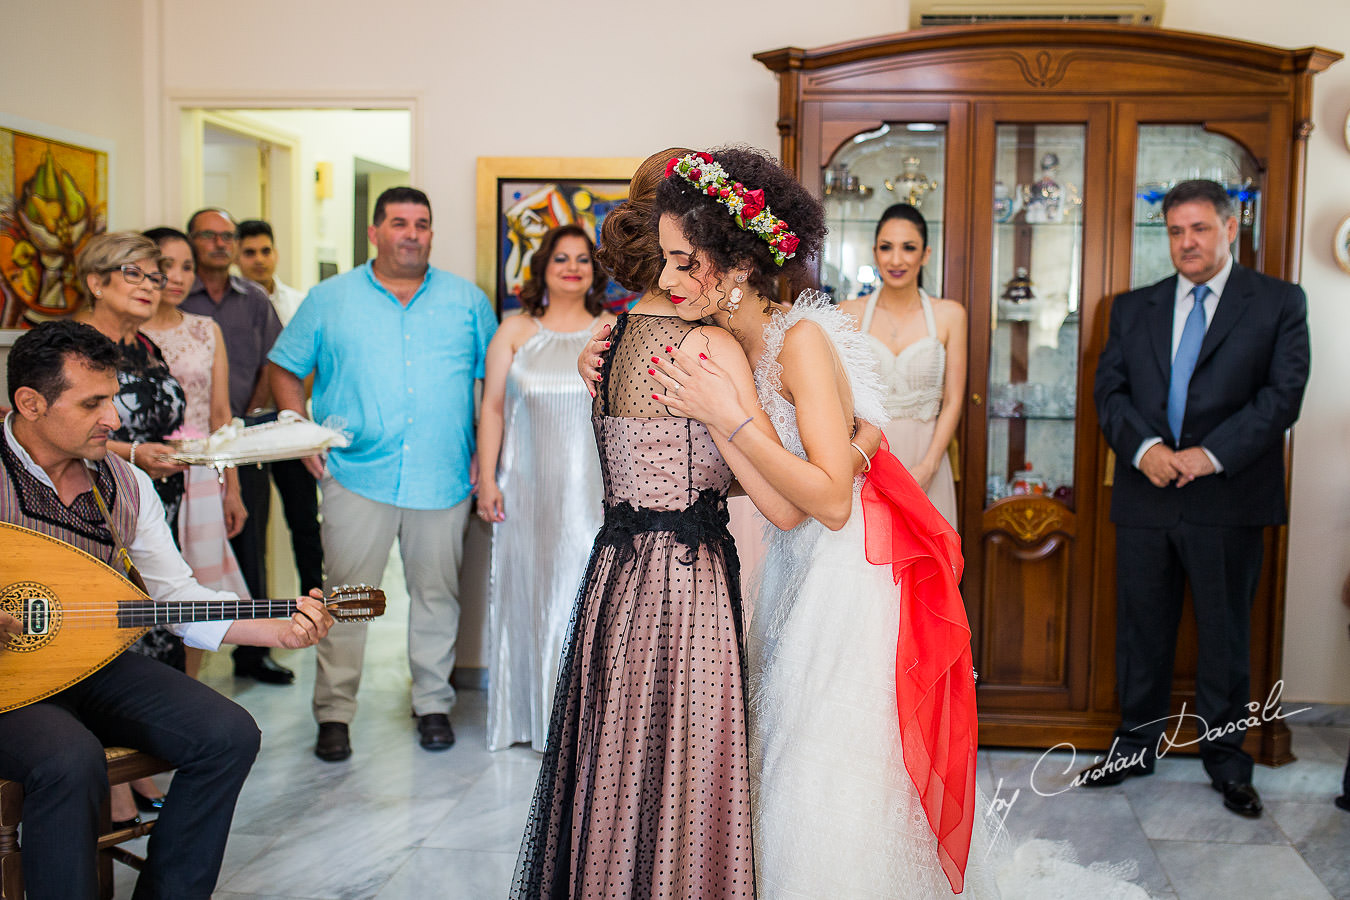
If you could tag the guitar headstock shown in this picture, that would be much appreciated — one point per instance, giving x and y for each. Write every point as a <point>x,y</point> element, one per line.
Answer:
<point>355,603</point>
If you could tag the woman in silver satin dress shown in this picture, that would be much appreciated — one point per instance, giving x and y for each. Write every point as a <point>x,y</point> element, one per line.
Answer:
<point>539,481</point>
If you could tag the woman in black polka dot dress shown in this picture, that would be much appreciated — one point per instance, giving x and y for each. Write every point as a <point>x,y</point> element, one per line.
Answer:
<point>644,790</point>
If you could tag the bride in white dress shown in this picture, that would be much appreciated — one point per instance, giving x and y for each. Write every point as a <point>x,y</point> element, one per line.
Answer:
<point>836,809</point>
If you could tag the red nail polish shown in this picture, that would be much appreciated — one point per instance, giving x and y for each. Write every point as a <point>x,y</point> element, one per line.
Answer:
<point>599,378</point>
<point>668,350</point>
<point>651,371</point>
<point>606,345</point>
<point>655,360</point>
<point>654,397</point>
<point>703,356</point>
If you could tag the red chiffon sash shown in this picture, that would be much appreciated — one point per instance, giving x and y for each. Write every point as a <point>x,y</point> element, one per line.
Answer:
<point>934,675</point>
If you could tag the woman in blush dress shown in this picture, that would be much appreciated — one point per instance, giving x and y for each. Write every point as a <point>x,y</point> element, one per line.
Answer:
<point>539,481</point>
<point>644,789</point>
<point>920,346</point>
<point>193,347</point>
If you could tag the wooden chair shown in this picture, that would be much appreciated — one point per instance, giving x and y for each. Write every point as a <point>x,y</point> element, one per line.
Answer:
<point>123,765</point>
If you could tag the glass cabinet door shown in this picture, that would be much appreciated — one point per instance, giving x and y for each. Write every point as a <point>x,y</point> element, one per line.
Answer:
<point>896,163</point>
<point>1172,153</point>
<point>1037,266</point>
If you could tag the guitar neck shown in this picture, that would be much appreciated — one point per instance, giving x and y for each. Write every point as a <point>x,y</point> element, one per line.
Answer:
<point>149,613</point>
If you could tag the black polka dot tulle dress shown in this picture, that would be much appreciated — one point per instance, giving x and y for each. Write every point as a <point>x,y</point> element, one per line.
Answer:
<point>644,790</point>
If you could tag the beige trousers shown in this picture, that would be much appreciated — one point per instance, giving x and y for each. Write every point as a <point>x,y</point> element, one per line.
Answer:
<point>357,535</point>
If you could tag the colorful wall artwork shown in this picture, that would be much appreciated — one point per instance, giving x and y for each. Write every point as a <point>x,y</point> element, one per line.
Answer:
<point>520,199</point>
<point>53,198</point>
<point>530,208</point>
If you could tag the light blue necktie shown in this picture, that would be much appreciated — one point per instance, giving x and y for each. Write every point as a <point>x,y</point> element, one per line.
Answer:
<point>1183,364</point>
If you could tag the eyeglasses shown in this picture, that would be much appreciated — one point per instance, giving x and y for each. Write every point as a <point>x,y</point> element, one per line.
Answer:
<point>135,275</point>
<point>225,237</point>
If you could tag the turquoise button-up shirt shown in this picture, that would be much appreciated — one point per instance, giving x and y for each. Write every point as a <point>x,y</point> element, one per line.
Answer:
<point>400,379</point>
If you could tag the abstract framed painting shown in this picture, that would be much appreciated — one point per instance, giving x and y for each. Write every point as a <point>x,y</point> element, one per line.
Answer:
<point>54,196</point>
<point>521,198</point>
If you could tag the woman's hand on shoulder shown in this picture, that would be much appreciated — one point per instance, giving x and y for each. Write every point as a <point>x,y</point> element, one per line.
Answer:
<point>697,379</point>
<point>590,361</point>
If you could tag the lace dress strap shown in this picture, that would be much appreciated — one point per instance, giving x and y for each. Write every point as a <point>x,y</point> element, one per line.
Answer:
<point>869,310</point>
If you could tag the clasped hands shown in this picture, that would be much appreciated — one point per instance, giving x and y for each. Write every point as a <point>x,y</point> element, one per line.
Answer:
<point>1163,466</point>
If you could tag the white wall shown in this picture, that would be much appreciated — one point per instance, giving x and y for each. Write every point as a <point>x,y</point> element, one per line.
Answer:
<point>77,65</point>
<point>617,78</point>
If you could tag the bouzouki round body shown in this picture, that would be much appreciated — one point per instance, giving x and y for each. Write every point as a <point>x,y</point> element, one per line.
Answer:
<point>70,600</point>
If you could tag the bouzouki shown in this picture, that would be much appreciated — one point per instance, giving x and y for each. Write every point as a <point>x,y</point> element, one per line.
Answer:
<point>78,614</point>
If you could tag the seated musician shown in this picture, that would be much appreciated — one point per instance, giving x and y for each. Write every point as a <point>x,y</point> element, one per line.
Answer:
<point>61,384</point>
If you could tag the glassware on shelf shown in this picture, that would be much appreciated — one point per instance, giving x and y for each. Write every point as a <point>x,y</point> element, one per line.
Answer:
<point>1016,303</point>
<point>1043,201</point>
<point>1152,193</point>
<point>1004,206</point>
<point>1028,482</point>
<point>838,182</point>
<point>911,184</point>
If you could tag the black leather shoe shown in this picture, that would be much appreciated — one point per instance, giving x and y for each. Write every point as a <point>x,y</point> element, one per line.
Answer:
<point>1110,772</point>
<point>266,670</point>
<point>435,731</point>
<point>147,804</point>
<point>333,743</point>
<point>119,824</point>
<point>1343,802</point>
<point>1240,797</point>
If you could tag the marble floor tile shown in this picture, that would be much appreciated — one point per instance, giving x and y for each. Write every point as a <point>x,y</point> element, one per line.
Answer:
<point>1320,832</point>
<point>1201,871</point>
<point>1181,812</point>
<point>451,875</point>
<point>492,813</point>
<point>340,845</point>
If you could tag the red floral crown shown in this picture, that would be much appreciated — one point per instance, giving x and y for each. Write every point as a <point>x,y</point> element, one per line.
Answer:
<point>746,206</point>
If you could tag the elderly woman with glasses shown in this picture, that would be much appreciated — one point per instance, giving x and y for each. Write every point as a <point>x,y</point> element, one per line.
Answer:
<point>120,275</point>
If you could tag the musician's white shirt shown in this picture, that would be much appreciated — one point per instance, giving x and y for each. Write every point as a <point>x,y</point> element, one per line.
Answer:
<point>153,551</point>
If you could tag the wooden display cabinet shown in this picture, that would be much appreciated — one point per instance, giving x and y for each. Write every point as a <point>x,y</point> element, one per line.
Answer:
<point>1040,155</point>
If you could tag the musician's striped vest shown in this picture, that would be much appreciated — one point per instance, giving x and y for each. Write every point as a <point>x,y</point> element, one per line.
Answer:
<point>28,502</point>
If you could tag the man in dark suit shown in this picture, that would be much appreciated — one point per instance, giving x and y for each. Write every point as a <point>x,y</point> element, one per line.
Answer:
<point>1201,375</point>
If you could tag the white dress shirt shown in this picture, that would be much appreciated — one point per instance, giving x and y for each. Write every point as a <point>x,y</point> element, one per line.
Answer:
<point>285,299</point>
<point>1183,306</point>
<point>153,551</point>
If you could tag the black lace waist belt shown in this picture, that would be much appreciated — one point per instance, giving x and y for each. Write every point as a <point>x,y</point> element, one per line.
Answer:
<point>702,522</point>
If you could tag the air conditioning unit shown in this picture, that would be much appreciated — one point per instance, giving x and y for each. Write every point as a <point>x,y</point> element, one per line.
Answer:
<point>1101,12</point>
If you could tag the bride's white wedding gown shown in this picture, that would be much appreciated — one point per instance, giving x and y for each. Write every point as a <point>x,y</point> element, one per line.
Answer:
<point>836,814</point>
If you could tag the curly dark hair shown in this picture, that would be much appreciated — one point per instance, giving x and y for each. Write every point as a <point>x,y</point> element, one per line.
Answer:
<point>724,245</point>
<point>532,293</point>
<point>629,249</point>
<point>38,358</point>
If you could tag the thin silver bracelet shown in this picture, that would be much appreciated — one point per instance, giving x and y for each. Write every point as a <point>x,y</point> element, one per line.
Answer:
<point>867,460</point>
<point>732,436</point>
<point>131,457</point>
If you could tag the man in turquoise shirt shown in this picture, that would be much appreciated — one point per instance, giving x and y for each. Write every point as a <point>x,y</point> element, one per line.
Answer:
<point>395,347</point>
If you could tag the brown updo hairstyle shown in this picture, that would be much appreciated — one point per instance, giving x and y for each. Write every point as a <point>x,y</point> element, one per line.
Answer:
<point>106,253</point>
<point>723,245</point>
<point>532,293</point>
<point>629,248</point>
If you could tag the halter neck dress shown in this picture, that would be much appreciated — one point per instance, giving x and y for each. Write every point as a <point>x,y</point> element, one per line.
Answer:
<point>914,379</point>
